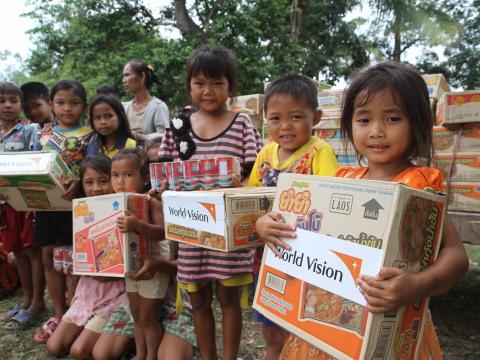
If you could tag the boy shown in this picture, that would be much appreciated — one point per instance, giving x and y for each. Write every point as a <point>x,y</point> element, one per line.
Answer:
<point>18,234</point>
<point>291,112</point>
<point>36,103</point>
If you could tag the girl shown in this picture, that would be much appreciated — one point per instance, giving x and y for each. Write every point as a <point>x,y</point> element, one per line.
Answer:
<point>95,298</point>
<point>386,116</point>
<point>213,130</point>
<point>69,138</point>
<point>130,174</point>
<point>148,115</point>
<point>112,130</point>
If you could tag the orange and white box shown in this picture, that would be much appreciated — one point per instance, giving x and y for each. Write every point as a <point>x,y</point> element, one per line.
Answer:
<point>459,107</point>
<point>345,228</point>
<point>444,138</point>
<point>99,248</point>
<point>465,168</point>
<point>436,84</point>
<point>464,196</point>
<point>220,219</point>
<point>330,99</point>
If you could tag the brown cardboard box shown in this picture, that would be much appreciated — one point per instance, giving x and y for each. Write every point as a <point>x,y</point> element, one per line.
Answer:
<point>252,105</point>
<point>444,138</point>
<point>99,248</point>
<point>465,168</point>
<point>468,226</point>
<point>330,99</point>
<point>464,196</point>
<point>459,107</point>
<point>220,219</point>
<point>403,223</point>
<point>436,84</point>
<point>33,181</point>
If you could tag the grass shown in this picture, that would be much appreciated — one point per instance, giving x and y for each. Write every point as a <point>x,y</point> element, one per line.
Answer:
<point>455,314</point>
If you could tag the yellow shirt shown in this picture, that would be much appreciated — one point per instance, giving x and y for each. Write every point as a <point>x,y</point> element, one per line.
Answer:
<point>129,144</point>
<point>315,157</point>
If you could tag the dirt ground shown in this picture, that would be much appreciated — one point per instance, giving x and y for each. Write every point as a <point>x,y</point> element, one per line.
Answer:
<point>456,315</point>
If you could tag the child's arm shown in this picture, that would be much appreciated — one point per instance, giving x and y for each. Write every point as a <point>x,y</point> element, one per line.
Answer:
<point>72,187</point>
<point>130,223</point>
<point>153,263</point>
<point>394,288</point>
<point>270,227</point>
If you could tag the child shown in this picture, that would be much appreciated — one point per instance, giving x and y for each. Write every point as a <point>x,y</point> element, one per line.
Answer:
<point>214,131</point>
<point>152,150</point>
<point>386,116</point>
<point>112,130</point>
<point>291,112</point>
<point>36,104</point>
<point>130,174</point>
<point>69,138</point>
<point>96,298</point>
<point>18,234</point>
<point>148,115</point>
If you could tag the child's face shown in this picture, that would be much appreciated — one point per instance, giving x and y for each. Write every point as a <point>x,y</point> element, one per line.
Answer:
<point>105,120</point>
<point>131,81</point>
<point>68,107</point>
<point>381,129</point>
<point>152,153</point>
<point>126,176</point>
<point>10,107</point>
<point>38,110</point>
<point>210,94</point>
<point>95,183</point>
<point>290,121</point>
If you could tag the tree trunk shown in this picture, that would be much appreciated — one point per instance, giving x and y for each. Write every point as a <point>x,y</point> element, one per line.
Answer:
<point>184,21</point>
<point>296,18</point>
<point>398,36</point>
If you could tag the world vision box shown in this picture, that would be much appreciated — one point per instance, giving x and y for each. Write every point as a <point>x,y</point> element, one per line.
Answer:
<point>99,248</point>
<point>464,196</point>
<point>469,141</point>
<point>34,181</point>
<point>345,228</point>
<point>436,84</point>
<point>466,166</point>
<point>459,107</point>
<point>220,219</point>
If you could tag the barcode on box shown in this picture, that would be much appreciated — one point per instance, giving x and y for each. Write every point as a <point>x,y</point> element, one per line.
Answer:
<point>81,257</point>
<point>276,283</point>
<point>244,205</point>
<point>383,342</point>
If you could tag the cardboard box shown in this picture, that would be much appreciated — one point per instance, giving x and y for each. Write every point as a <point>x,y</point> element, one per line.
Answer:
<point>465,168</point>
<point>444,138</point>
<point>400,225</point>
<point>464,196</point>
<point>220,219</point>
<point>34,181</point>
<point>330,99</point>
<point>436,84</point>
<point>99,248</point>
<point>252,105</point>
<point>468,226</point>
<point>459,107</point>
<point>328,123</point>
<point>320,85</point>
<point>347,159</point>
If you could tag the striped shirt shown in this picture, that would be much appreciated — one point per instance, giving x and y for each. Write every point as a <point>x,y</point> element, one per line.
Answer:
<point>241,140</point>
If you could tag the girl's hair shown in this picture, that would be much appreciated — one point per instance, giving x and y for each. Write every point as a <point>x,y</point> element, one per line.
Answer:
<point>410,94</point>
<point>100,163</point>
<point>214,62</point>
<point>10,88</point>
<point>124,130</point>
<point>35,89</point>
<point>74,85</point>
<point>139,67</point>
<point>107,89</point>
<point>140,159</point>
<point>300,87</point>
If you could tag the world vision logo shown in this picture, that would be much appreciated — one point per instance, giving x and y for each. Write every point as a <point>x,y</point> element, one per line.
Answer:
<point>36,160</point>
<point>353,264</point>
<point>212,210</point>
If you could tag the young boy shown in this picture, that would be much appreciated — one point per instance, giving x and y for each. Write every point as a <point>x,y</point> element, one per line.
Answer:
<point>291,112</point>
<point>18,234</point>
<point>36,104</point>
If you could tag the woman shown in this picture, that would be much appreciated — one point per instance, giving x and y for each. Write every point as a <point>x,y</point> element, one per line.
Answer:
<point>148,115</point>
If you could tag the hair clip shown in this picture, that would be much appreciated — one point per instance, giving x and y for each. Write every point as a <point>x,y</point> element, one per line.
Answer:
<point>150,66</point>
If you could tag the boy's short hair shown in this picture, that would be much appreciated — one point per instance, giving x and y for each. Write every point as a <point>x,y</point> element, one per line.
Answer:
<point>35,89</point>
<point>296,85</point>
<point>10,88</point>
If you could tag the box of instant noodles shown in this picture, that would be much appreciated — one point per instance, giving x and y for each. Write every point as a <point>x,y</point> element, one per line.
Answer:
<point>345,228</point>
<point>99,248</point>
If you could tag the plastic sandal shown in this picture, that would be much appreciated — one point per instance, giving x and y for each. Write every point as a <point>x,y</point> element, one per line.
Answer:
<point>11,313</point>
<point>23,320</point>
<point>46,330</point>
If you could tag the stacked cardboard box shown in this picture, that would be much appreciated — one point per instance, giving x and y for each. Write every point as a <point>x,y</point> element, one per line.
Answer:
<point>437,85</point>
<point>251,105</point>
